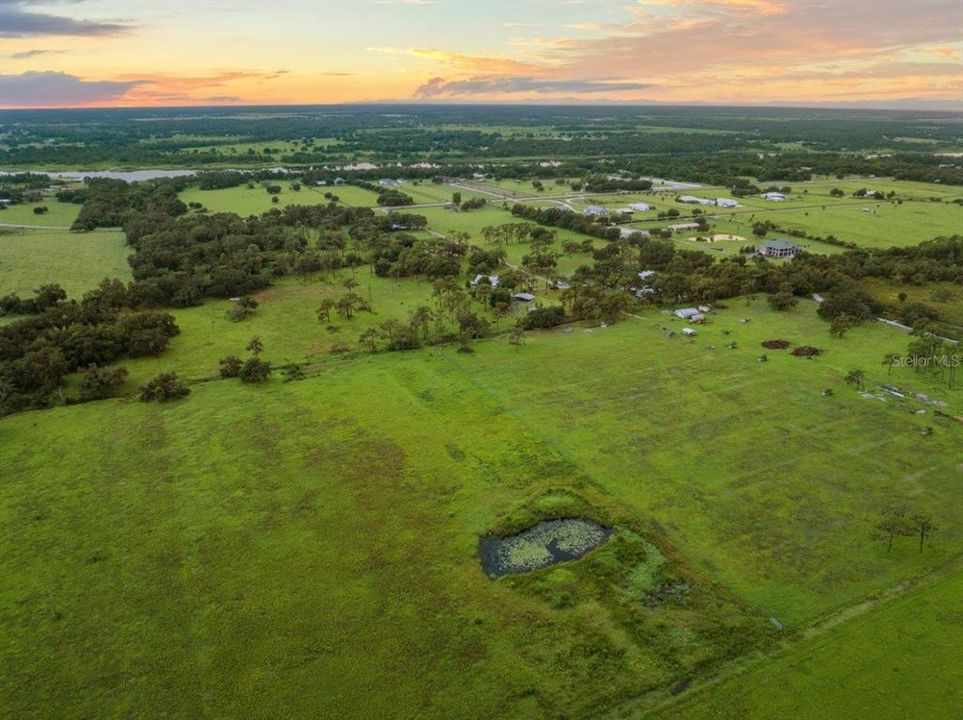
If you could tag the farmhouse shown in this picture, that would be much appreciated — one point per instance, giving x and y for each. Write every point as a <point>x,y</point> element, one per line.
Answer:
<point>492,280</point>
<point>692,199</point>
<point>779,248</point>
<point>595,211</point>
<point>726,203</point>
<point>773,196</point>
<point>523,297</point>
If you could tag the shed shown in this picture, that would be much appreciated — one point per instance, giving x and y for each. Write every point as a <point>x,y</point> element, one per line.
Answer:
<point>688,332</point>
<point>686,313</point>
<point>523,297</point>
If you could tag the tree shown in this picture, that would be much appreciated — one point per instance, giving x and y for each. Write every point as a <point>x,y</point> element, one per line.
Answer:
<point>456,199</point>
<point>421,317</point>
<point>840,325</point>
<point>923,525</point>
<point>890,359</point>
<point>231,366</point>
<point>783,300</point>
<point>891,525</point>
<point>516,338</point>
<point>255,346</point>
<point>101,382</point>
<point>325,308</point>
<point>856,378</point>
<point>368,340</point>
<point>255,370</point>
<point>163,387</point>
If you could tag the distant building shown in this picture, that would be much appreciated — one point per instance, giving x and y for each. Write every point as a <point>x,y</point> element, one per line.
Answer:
<point>774,196</point>
<point>492,280</point>
<point>681,227</point>
<point>595,211</point>
<point>686,313</point>
<point>688,332</point>
<point>726,203</point>
<point>639,207</point>
<point>646,274</point>
<point>339,181</point>
<point>523,297</point>
<point>389,182</point>
<point>693,200</point>
<point>627,232</point>
<point>779,248</point>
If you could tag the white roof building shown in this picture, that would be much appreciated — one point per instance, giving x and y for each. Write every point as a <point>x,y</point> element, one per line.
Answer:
<point>596,210</point>
<point>774,196</point>
<point>696,200</point>
<point>639,207</point>
<point>726,203</point>
<point>686,313</point>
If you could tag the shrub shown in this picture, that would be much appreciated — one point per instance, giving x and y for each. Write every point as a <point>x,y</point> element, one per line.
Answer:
<point>255,370</point>
<point>544,318</point>
<point>101,382</point>
<point>163,387</point>
<point>231,366</point>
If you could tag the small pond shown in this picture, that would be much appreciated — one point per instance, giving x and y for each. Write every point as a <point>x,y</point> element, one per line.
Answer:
<point>549,542</point>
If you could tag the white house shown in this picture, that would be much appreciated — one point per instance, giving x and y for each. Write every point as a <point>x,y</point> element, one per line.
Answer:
<point>639,207</point>
<point>686,313</point>
<point>726,203</point>
<point>680,227</point>
<point>774,196</point>
<point>595,211</point>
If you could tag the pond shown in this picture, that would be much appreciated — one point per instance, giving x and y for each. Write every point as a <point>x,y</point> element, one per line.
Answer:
<point>128,175</point>
<point>547,543</point>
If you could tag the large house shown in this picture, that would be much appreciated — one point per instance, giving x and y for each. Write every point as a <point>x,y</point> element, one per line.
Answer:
<point>774,196</point>
<point>779,248</point>
<point>596,211</point>
<point>639,207</point>
<point>726,203</point>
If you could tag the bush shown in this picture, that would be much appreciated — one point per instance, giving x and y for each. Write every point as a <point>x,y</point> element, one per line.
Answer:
<point>255,370</point>
<point>163,387</point>
<point>101,382</point>
<point>231,366</point>
<point>544,318</point>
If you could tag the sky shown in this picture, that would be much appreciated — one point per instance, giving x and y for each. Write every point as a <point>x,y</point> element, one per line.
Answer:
<point>105,53</point>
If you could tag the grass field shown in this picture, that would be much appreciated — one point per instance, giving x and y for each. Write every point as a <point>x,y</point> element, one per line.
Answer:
<point>78,261</point>
<point>58,214</point>
<point>838,674</point>
<point>306,548</point>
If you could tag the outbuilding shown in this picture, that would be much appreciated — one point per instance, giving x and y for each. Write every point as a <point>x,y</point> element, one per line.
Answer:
<point>686,313</point>
<point>595,211</point>
<point>773,196</point>
<point>523,297</point>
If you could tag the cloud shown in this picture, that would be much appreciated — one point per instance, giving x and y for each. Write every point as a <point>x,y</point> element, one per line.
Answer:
<point>48,89</point>
<point>440,87</point>
<point>461,61</point>
<point>26,54</point>
<point>15,21</point>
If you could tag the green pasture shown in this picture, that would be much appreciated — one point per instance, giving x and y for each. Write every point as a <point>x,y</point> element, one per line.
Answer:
<point>254,201</point>
<point>58,214</point>
<point>308,548</point>
<point>77,261</point>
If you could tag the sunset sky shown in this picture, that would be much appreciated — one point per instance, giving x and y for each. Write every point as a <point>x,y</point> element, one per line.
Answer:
<point>903,53</point>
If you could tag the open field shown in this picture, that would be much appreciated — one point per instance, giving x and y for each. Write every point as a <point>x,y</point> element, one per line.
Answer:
<point>254,201</point>
<point>58,214</point>
<point>326,530</point>
<point>77,261</point>
<point>837,674</point>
